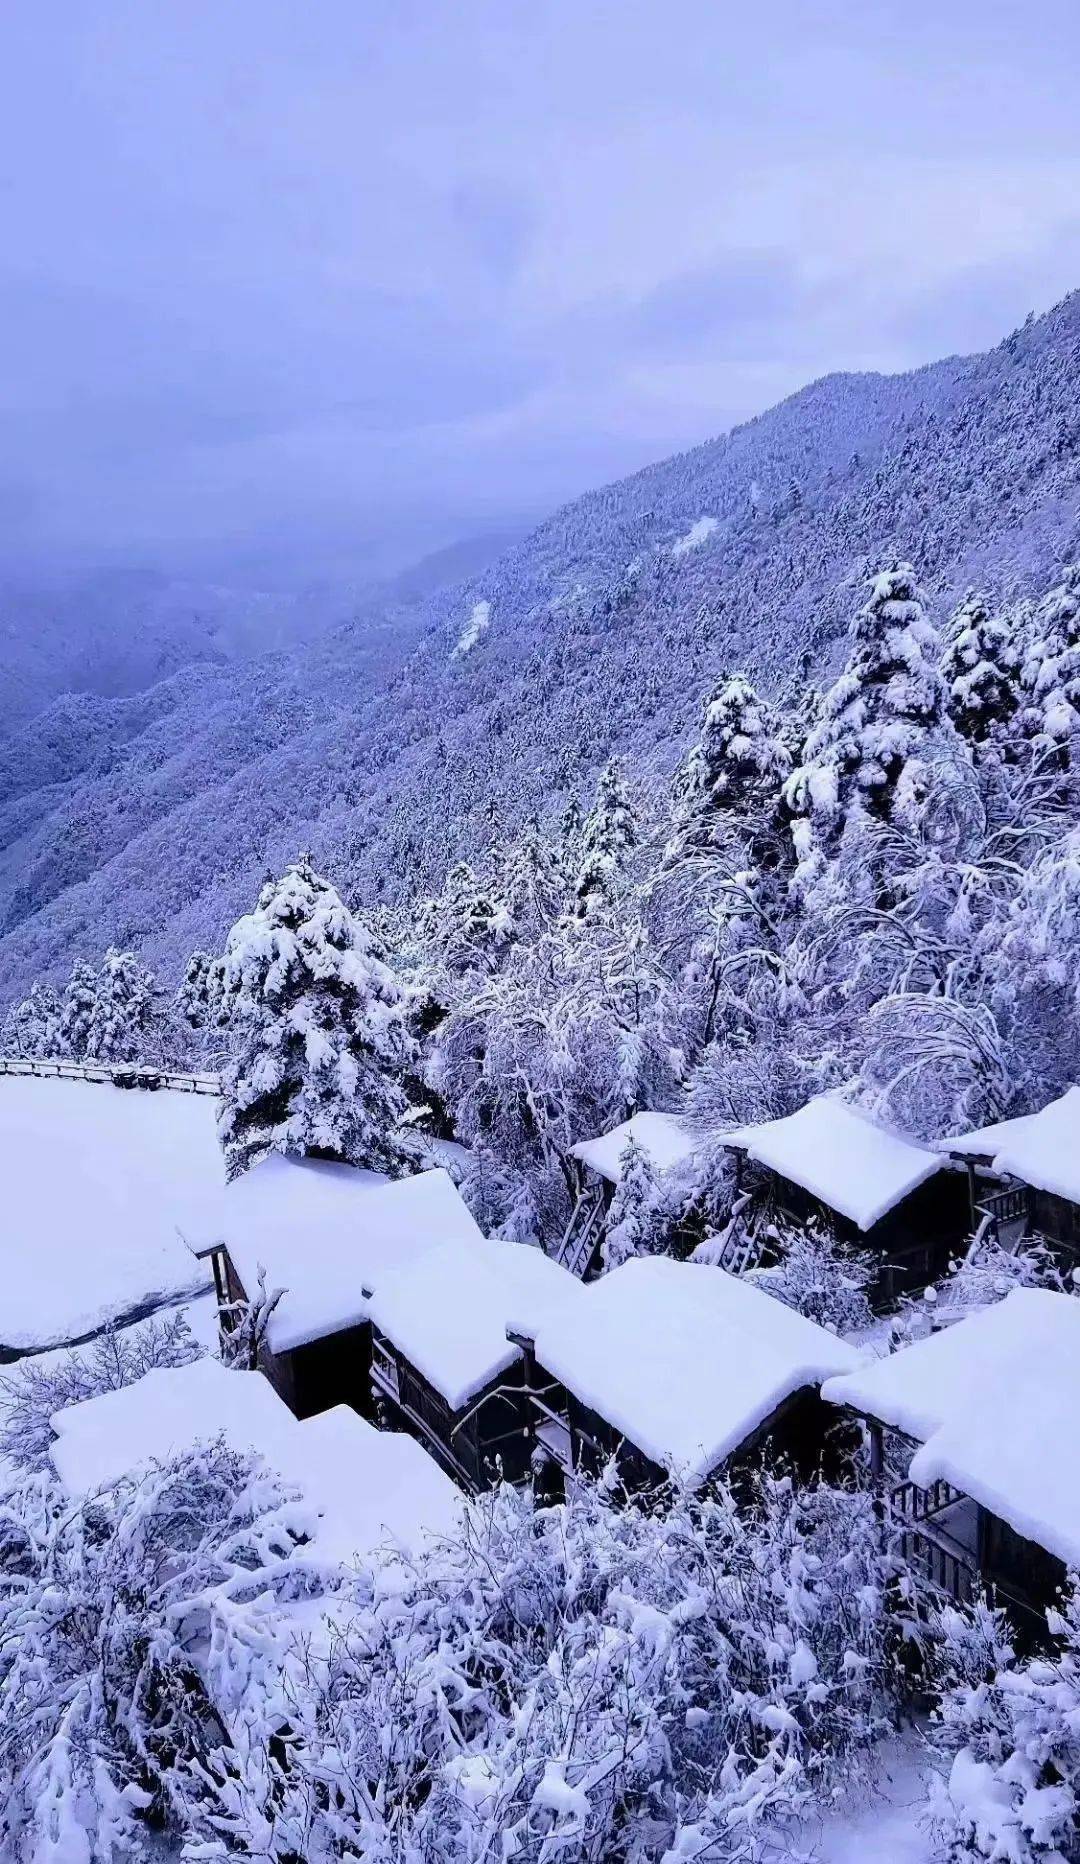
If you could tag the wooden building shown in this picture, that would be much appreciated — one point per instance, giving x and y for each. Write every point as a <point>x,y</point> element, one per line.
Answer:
<point>668,1143</point>
<point>895,1199</point>
<point>443,1364</point>
<point>324,1235</point>
<point>679,1370</point>
<point>972,1436</point>
<point>1024,1175</point>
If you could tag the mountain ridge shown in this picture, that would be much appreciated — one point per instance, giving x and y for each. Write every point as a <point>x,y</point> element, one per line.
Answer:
<point>383,744</point>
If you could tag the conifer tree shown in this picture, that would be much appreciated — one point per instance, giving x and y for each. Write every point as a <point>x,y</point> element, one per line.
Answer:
<point>32,1027</point>
<point>124,1023</point>
<point>198,1001</point>
<point>318,1021</point>
<point>635,1225</point>
<point>981,669</point>
<point>881,729</point>
<point>608,838</point>
<point>734,772</point>
<point>1051,671</point>
<point>77,1009</point>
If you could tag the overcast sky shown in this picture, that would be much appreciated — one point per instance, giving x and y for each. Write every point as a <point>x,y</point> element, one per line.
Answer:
<point>292,281</point>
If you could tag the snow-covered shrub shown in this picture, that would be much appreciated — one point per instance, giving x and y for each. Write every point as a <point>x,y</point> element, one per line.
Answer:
<point>318,1042</point>
<point>104,1719</point>
<point>587,1682</point>
<point>933,1065</point>
<point>819,1276</point>
<point>34,1389</point>
<point>1007,1732</point>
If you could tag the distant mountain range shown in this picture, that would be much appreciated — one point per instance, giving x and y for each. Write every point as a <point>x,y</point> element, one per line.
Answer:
<point>146,807</point>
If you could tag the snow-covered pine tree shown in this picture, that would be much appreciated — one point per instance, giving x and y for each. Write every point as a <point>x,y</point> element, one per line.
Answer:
<point>198,1000</point>
<point>125,1020</point>
<point>981,669</point>
<point>1051,670</point>
<point>319,1031</point>
<point>881,733</point>
<point>608,837</point>
<point>465,931</point>
<point>732,776</point>
<point>77,1009</point>
<point>635,1224</point>
<point>32,1027</point>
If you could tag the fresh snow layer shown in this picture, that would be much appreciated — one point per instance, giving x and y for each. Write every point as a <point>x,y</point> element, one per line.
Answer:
<point>684,1360</point>
<point>1041,1149</point>
<point>100,1183</point>
<point>326,1232</point>
<point>993,1401</point>
<point>474,630</point>
<point>448,1312</point>
<point>366,1488</point>
<point>667,1141</point>
<point>697,535</point>
<point>840,1156</point>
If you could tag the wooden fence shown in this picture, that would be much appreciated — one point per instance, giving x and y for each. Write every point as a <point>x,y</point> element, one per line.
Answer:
<point>117,1074</point>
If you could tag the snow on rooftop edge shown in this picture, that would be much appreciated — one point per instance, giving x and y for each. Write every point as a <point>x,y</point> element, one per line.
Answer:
<point>365,1487</point>
<point>666,1139</point>
<point>684,1360</point>
<point>1041,1149</point>
<point>841,1156</point>
<point>448,1312</point>
<point>993,1401</point>
<point>326,1232</point>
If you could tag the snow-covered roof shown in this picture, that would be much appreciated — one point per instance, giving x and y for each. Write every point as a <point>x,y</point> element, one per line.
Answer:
<point>448,1312</point>
<point>993,1400</point>
<point>98,1183</point>
<point>840,1156</point>
<point>326,1232</point>
<point>685,1360</point>
<point>1041,1149</point>
<point>366,1488</point>
<point>667,1140</point>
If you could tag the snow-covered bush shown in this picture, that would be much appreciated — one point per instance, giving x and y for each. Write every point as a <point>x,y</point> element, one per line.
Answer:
<point>1007,1732</point>
<point>34,1389</point>
<point>105,1725</point>
<point>819,1276</point>
<point>32,1027</point>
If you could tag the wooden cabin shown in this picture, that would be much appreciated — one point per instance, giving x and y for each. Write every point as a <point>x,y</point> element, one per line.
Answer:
<point>668,1143</point>
<point>1024,1175</point>
<point>442,1362</point>
<point>884,1193</point>
<point>325,1234</point>
<point>972,1439</point>
<point>675,1369</point>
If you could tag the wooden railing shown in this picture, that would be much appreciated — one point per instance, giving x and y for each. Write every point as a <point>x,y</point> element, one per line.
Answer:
<point>911,1503</point>
<point>1007,1206</point>
<point>117,1074</point>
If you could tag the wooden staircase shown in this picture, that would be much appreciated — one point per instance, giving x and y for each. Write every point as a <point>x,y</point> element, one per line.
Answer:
<point>581,1238</point>
<point>742,1244</point>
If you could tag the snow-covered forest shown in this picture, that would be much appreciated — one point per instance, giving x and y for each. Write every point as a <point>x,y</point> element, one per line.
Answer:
<point>874,891</point>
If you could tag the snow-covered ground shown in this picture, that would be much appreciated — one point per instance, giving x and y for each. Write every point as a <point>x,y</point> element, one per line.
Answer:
<point>884,1823</point>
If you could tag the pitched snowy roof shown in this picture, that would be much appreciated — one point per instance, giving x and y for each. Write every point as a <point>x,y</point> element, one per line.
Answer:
<point>98,1183</point>
<point>685,1360</point>
<point>1041,1149</point>
<point>993,1400</point>
<point>326,1232</point>
<point>448,1312</point>
<point>667,1141</point>
<point>364,1487</point>
<point>840,1156</point>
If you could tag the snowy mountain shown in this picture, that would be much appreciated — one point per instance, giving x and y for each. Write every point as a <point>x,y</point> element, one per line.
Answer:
<point>388,748</point>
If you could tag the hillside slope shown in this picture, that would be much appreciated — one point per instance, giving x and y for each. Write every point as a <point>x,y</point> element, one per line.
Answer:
<point>154,822</point>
